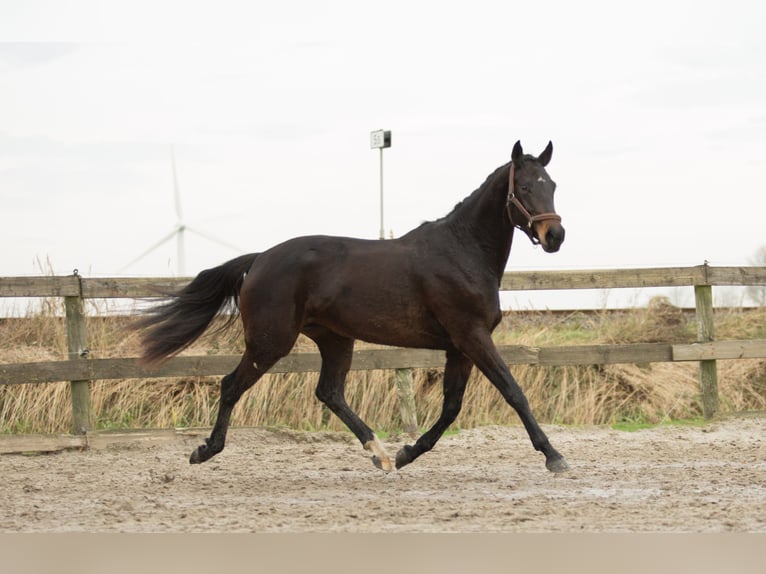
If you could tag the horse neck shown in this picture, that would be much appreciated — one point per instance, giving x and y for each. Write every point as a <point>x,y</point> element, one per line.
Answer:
<point>482,220</point>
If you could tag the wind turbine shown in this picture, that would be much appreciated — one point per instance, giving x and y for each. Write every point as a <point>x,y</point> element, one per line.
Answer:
<point>179,230</point>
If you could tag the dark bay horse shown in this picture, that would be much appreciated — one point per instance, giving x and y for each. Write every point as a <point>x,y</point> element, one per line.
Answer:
<point>436,287</point>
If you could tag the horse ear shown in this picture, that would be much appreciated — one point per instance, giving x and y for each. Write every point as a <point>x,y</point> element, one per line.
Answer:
<point>545,157</point>
<point>517,151</point>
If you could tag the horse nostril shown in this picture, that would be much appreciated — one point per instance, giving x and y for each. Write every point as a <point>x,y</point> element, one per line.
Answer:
<point>554,237</point>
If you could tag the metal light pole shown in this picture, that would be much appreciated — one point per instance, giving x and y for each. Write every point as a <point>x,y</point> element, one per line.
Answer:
<point>378,140</point>
<point>381,139</point>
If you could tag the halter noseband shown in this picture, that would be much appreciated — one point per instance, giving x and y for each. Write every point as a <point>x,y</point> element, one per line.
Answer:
<point>531,219</point>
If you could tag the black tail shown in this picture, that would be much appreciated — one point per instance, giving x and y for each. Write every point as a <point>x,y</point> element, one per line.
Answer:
<point>178,322</point>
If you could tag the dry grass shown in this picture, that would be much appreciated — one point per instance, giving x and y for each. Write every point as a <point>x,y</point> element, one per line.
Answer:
<point>566,395</point>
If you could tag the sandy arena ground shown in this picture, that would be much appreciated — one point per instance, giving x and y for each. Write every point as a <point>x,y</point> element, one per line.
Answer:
<point>670,479</point>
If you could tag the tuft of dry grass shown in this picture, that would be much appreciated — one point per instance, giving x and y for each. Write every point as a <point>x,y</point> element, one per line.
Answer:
<point>575,395</point>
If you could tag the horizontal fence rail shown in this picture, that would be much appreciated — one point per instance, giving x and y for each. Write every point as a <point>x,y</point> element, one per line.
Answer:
<point>80,369</point>
<point>141,287</point>
<point>388,359</point>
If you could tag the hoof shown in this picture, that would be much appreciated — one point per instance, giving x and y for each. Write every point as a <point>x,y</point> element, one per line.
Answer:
<point>380,457</point>
<point>196,457</point>
<point>384,465</point>
<point>557,465</point>
<point>202,453</point>
<point>404,456</point>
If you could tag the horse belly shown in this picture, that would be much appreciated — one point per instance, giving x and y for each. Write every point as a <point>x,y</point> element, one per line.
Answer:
<point>383,320</point>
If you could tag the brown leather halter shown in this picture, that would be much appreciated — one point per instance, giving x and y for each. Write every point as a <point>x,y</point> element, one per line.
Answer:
<point>531,219</point>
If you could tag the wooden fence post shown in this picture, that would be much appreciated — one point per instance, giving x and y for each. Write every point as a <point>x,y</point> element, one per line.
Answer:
<point>404,389</point>
<point>77,347</point>
<point>703,299</point>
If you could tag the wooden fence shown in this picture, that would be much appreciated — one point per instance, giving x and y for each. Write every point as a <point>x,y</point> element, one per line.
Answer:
<point>80,368</point>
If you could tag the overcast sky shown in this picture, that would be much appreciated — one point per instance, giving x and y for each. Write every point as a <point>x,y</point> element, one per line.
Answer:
<point>656,110</point>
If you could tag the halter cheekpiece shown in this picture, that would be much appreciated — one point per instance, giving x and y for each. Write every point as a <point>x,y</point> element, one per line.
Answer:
<point>531,219</point>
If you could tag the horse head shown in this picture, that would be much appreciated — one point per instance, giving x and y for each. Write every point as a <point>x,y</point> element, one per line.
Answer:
<point>530,198</point>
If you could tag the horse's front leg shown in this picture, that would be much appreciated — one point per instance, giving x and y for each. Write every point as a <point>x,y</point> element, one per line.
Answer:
<point>480,347</point>
<point>456,373</point>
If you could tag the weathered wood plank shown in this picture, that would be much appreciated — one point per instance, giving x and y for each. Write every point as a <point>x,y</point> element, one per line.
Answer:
<point>66,286</point>
<point>744,276</point>
<point>14,444</point>
<point>140,287</point>
<point>39,372</point>
<point>105,369</point>
<point>200,366</point>
<point>366,359</point>
<point>606,354</point>
<point>519,355</point>
<point>603,278</point>
<point>39,443</point>
<point>106,439</point>
<point>395,358</point>
<point>754,349</point>
<point>131,287</point>
<point>512,280</point>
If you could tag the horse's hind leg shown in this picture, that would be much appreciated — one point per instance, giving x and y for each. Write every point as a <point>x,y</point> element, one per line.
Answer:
<point>336,354</point>
<point>233,386</point>
<point>456,373</point>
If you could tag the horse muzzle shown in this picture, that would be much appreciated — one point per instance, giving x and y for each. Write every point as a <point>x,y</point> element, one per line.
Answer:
<point>550,233</point>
